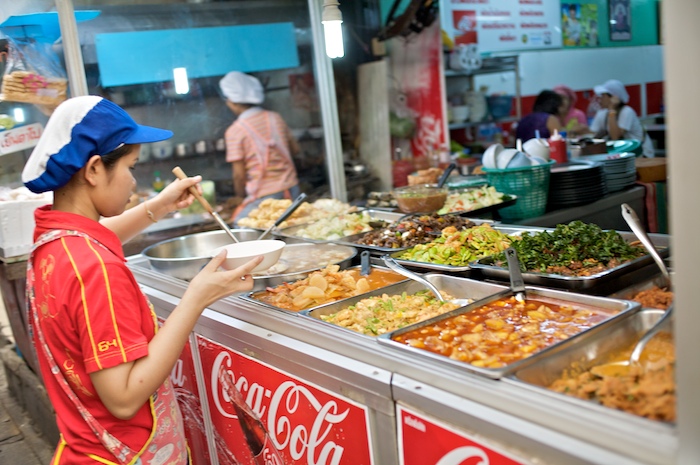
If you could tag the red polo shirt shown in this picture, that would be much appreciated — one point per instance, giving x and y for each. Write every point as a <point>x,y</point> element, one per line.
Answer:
<point>93,316</point>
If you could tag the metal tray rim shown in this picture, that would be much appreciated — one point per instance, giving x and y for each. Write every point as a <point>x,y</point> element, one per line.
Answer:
<point>248,296</point>
<point>498,373</point>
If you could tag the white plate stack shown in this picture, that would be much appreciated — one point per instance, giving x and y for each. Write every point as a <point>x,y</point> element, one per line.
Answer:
<point>620,170</point>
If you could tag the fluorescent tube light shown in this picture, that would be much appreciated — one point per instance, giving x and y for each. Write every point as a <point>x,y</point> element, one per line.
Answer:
<point>332,20</point>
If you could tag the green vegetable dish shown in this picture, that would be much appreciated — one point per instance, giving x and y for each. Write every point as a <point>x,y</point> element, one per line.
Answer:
<point>574,249</point>
<point>459,247</point>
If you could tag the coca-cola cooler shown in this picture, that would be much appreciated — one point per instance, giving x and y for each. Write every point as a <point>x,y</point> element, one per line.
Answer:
<point>329,396</point>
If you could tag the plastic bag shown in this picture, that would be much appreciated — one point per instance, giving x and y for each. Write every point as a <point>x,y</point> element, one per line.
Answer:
<point>33,74</point>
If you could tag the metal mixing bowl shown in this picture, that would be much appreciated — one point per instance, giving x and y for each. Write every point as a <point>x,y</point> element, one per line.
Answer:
<point>183,257</point>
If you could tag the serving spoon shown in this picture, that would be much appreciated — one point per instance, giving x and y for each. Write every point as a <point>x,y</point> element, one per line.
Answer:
<point>517,284</point>
<point>622,367</point>
<point>286,214</point>
<point>393,265</point>
<point>630,216</point>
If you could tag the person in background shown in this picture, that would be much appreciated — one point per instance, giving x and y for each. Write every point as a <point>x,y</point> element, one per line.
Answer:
<point>259,146</point>
<point>544,118</point>
<point>104,360</point>
<point>572,119</point>
<point>616,120</point>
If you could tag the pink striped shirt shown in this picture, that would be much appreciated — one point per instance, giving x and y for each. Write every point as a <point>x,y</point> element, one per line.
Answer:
<point>266,173</point>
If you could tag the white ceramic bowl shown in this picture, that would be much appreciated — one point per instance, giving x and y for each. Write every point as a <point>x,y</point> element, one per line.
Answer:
<point>504,157</point>
<point>490,156</point>
<point>460,113</point>
<point>537,148</point>
<point>240,253</point>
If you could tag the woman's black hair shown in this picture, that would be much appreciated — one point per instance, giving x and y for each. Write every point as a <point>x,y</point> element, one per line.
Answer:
<point>110,159</point>
<point>547,101</point>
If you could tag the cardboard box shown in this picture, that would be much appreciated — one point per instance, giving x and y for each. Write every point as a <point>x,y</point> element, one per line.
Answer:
<point>17,226</point>
<point>651,169</point>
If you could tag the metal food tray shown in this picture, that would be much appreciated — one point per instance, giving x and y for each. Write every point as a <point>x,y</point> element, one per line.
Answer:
<point>587,351</point>
<point>616,308</point>
<point>483,210</point>
<point>249,296</point>
<point>464,269</point>
<point>352,240</point>
<point>262,281</point>
<point>661,241</point>
<point>290,232</point>
<point>460,288</point>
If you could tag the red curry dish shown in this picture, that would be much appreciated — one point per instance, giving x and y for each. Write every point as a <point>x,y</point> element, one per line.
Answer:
<point>503,331</point>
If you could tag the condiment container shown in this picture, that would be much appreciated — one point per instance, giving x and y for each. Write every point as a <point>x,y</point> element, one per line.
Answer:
<point>557,148</point>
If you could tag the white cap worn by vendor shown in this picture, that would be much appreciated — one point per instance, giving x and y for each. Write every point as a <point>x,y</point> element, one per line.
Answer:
<point>79,128</point>
<point>613,87</point>
<point>239,87</point>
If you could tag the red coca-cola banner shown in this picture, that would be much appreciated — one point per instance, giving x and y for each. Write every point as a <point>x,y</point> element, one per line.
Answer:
<point>304,423</point>
<point>184,382</point>
<point>425,441</point>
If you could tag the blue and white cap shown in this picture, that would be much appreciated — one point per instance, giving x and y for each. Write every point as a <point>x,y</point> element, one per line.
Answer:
<point>79,128</point>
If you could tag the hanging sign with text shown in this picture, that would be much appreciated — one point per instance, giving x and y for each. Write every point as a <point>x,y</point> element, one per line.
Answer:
<point>503,25</point>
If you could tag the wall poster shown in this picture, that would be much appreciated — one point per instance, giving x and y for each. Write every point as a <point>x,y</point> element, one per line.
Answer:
<point>579,24</point>
<point>503,25</point>
<point>620,20</point>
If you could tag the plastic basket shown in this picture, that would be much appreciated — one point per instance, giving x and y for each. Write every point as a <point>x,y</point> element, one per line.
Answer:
<point>530,184</point>
<point>500,106</point>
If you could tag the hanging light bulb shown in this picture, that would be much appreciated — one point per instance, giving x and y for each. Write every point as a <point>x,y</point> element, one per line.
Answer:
<point>332,20</point>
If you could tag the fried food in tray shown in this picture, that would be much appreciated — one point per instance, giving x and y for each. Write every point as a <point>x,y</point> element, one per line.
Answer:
<point>654,297</point>
<point>648,389</point>
<point>412,230</point>
<point>270,209</point>
<point>327,285</point>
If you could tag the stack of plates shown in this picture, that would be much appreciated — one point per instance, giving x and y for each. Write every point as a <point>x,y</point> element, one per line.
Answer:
<point>620,170</point>
<point>576,183</point>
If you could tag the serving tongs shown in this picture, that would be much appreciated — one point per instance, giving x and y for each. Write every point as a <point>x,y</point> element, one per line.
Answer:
<point>622,368</point>
<point>286,214</point>
<point>177,171</point>
<point>446,174</point>
<point>517,284</point>
<point>393,265</point>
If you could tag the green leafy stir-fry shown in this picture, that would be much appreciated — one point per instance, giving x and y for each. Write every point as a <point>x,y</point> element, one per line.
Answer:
<point>576,248</point>
<point>459,247</point>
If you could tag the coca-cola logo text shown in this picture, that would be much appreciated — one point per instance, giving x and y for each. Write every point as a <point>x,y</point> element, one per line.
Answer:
<point>177,375</point>
<point>275,409</point>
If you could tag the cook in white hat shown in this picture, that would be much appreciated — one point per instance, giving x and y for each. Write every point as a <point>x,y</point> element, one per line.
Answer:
<point>616,120</point>
<point>259,147</point>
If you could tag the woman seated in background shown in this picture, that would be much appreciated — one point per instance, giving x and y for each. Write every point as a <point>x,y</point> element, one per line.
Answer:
<point>616,120</point>
<point>544,118</point>
<point>572,119</point>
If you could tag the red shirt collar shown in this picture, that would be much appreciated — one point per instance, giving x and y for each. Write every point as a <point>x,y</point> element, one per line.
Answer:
<point>48,219</point>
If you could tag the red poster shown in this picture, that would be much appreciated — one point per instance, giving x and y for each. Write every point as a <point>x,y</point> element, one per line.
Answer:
<point>184,382</point>
<point>305,423</point>
<point>424,441</point>
<point>465,26</point>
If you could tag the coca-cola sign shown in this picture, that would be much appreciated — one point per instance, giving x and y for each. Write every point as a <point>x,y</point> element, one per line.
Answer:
<point>425,441</point>
<point>21,138</point>
<point>305,424</point>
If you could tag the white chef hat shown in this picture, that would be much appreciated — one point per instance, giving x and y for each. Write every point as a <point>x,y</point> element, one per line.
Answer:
<point>242,88</point>
<point>613,87</point>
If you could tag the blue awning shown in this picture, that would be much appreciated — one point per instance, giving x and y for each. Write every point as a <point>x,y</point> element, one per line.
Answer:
<point>42,27</point>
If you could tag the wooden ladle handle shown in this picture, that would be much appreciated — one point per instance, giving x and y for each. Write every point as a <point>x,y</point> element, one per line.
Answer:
<point>177,171</point>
